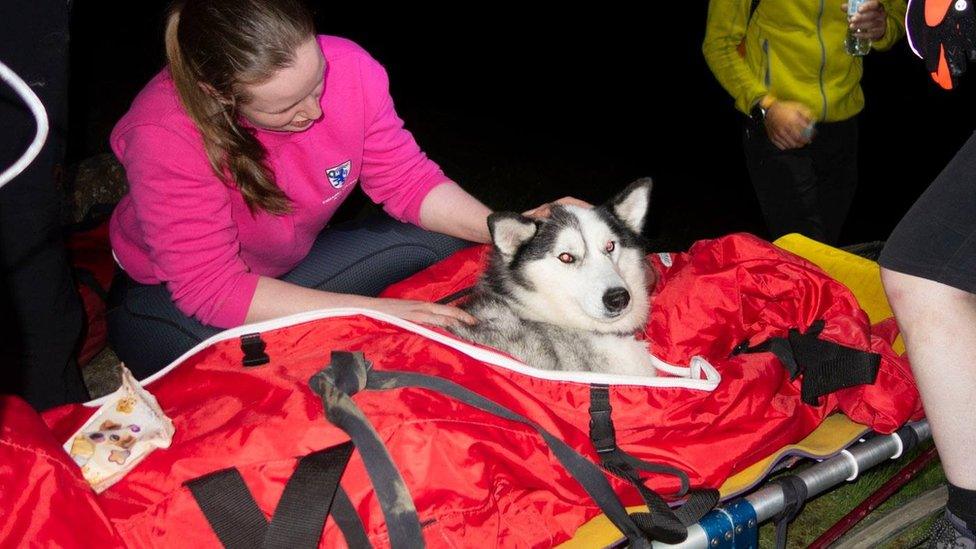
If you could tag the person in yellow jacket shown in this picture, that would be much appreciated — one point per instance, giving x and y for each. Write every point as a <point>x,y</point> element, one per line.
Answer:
<point>785,64</point>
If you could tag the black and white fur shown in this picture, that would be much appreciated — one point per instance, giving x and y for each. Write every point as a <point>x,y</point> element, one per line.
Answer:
<point>568,292</point>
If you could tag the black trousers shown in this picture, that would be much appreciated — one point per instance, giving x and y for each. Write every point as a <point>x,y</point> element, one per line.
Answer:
<point>40,306</point>
<point>937,237</point>
<point>807,190</point>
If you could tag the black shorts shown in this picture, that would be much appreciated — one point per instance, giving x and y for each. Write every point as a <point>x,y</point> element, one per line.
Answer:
<point>937,237</point>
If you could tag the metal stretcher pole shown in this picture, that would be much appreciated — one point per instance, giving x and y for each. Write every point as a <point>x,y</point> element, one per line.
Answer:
<point>735,525</point>
<point>879,496</point>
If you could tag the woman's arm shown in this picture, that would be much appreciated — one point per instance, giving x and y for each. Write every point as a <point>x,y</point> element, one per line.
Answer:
<point>275,298</point>
<point>449,209</point>
<point>181,215</point>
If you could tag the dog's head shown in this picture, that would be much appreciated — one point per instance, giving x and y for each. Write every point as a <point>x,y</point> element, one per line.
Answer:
<point>580,268</point>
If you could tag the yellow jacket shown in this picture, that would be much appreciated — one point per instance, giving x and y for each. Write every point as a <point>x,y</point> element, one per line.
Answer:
<point>794,49</point>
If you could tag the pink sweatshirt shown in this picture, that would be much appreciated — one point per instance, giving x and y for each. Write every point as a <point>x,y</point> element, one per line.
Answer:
<point>182,226</point>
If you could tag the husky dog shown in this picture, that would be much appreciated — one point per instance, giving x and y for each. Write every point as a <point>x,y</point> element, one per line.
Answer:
<point>568,292</point>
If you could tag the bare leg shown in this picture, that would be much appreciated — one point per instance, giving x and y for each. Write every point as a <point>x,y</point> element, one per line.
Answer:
<point>938,323</point>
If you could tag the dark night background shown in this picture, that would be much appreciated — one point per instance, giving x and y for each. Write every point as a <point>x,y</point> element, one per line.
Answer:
<point>522,108</point>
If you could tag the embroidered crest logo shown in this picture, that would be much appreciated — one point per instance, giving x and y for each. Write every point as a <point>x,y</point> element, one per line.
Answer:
<point>337,175</point>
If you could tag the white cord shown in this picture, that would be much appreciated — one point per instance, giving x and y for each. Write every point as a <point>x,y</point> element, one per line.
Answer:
<point>853,461</point>
<point>37,109</point>
<point>899,443</point>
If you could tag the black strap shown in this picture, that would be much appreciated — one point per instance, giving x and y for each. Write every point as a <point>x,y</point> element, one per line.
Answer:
<point>661,523</point>
<point>826,366</point>
<point>909,438</point>
<point>794,496</point>
<point>451,298</point>
<point>230,509</point>
<point>299,517</point>
<point>603,437</point>
<point>87,278</point>
<point>345,376</point>
<point>353,371</point>
<point>253,348</point>
<point>700,501</point>
<point>348,521</point>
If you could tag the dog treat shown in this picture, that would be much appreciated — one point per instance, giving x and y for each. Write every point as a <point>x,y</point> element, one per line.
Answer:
<point>119,435</point>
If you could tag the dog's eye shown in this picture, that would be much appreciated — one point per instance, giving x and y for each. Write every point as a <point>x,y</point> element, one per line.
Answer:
<point>566,258</point>
<point>611,246</point>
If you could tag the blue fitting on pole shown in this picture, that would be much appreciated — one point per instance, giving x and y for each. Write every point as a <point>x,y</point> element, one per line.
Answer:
<point>732,527</point>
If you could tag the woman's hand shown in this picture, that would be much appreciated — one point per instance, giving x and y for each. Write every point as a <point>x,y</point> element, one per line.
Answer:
<point>545,209</point>
<point>422,312</point>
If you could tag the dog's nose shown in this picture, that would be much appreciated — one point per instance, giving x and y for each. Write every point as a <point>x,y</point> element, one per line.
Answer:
<point>616,299</point>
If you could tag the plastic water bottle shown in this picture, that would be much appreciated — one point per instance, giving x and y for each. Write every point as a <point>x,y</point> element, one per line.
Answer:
<point>855,46</point>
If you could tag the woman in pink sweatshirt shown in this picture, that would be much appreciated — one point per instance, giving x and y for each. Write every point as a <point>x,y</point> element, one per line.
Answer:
<point>237,155</point>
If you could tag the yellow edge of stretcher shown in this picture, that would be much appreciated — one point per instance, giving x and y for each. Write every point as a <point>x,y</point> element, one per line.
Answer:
<point>863,277</point>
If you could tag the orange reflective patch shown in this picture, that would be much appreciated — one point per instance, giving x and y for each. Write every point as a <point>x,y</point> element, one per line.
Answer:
<point>935,11</point>
<point>942,76</point>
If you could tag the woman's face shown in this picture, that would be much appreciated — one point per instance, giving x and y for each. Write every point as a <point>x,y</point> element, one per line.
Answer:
<point>289,100</point>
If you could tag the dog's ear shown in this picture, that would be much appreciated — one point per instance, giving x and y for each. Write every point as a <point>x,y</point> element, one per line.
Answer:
<point>510,230</point>
<point>631,204</point>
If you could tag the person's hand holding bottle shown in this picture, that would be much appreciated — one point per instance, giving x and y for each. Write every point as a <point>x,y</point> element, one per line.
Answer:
<point>789,124</point>
<point>870,22</point>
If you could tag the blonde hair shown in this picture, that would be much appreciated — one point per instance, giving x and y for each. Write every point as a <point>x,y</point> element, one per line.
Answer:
<point>214,49</point>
